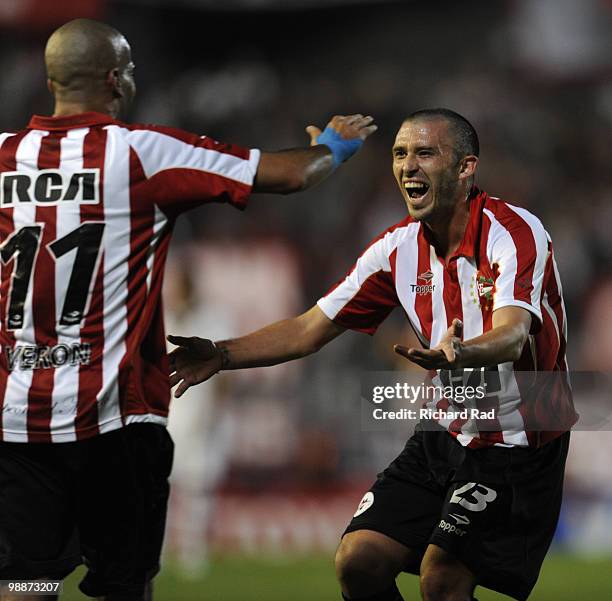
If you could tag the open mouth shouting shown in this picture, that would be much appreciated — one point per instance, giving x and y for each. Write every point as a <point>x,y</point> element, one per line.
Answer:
<point>416,190</point>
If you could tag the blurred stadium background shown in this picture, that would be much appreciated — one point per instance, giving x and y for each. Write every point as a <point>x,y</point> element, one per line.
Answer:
<point>271,463</point>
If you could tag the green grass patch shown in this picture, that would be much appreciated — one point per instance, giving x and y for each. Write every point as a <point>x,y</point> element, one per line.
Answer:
<point>238,578</point>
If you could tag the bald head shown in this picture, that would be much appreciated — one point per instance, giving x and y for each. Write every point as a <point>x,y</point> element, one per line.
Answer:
<point>87,60</point>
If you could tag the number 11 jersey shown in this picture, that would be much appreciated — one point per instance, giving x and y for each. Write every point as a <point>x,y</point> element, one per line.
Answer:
<point>87,206</point>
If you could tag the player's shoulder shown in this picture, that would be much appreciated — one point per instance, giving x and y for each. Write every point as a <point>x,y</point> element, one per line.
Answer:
<point>143,134</point>
<point>19,133</point>
<point>165,130</point>
<point>394,235</point>
<point>8,149</point>
<point>513,218</point>
<point>402,227</point>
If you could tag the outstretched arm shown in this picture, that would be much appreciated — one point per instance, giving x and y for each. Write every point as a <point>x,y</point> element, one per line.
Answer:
<point>293,170</point>
<point>504,342</point>
<point>197,359</point>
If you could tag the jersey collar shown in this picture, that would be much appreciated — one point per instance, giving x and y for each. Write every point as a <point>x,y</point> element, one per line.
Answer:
<point>471,238</point>
<point>70,121</point>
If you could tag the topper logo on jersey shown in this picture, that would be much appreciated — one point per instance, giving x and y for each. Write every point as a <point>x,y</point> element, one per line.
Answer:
<point>427,287</point>
<point>50,187</point>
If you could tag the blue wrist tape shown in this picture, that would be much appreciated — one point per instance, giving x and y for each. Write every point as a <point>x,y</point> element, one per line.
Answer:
<point>341,149</point>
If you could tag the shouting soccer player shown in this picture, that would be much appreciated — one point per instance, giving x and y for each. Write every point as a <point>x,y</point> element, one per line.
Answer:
<point>478,282</point>
<point>87,205</point>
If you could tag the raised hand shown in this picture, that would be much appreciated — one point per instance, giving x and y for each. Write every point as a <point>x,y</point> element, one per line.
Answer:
<point>348,127</point>
<point>343,135</point>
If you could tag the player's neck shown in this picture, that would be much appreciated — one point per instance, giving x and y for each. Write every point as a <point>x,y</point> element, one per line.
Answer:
<point>65,108</point>
<point>449,229</point>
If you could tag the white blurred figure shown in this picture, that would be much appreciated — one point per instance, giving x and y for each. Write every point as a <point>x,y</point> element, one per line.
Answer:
<point>243,418</point>
<point>562,38</point>
<point>200,425</point>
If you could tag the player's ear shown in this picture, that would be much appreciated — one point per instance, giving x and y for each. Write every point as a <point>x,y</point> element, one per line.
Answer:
<point>50,87</point>
<point>114,83</point>
<point>468,166</point>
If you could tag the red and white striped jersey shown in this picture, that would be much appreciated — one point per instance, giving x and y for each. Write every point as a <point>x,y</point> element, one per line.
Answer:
<point>87,206</point>
<point>504,259</point>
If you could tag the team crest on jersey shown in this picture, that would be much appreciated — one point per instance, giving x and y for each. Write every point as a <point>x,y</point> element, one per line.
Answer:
<point>424,285</point>
<point>482,290</point>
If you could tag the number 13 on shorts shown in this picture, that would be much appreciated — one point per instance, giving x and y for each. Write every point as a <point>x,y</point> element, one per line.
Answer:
<point>464,514</point>
<point>473,496</point>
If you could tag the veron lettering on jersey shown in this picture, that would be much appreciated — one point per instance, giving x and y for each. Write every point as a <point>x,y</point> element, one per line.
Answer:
<point>87,205</point>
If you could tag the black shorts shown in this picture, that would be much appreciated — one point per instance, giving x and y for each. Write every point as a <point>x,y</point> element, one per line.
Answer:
<point>101,501</point>
<point>495,509</point>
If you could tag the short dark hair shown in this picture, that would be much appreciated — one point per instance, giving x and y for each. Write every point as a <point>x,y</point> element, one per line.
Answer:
<point>465,134</point>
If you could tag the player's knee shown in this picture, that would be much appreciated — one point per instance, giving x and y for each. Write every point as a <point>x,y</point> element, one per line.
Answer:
<point>444,584</point>
<point>360,565</point>
<point>445,578</point>
<point>433,588</point>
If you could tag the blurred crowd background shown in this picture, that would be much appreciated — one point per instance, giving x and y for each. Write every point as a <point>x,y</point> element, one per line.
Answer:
<point>277,459</point>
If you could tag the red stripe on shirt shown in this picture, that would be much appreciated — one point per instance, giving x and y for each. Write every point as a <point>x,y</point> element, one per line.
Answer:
<point>393,263</point>
<point>142,219</point>
<point>452,294</point>
<point>526,253</point>
<point>423,302</point>
<point>8,162</point>
<point>155,367</point>
<point>92,331</point>
<point>551,288</point>
<point>453,308</point>
<point>40,396</point>
<point>487,437</point>
<point>151,394</point>
<point>485,268</point>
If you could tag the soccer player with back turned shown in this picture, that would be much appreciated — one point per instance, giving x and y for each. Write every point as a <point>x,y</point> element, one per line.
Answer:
<point>87,205</point>
<point>460,506</point>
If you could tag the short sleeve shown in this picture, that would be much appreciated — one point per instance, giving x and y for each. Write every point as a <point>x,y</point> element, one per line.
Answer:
<point>181,170</point>
<point>363,299</point>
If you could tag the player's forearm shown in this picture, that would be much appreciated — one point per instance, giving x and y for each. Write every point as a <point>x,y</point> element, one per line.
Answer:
<point>315,164</point>
<point>499,345</point>
<point>279,342</point>
<point>293,170</point>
